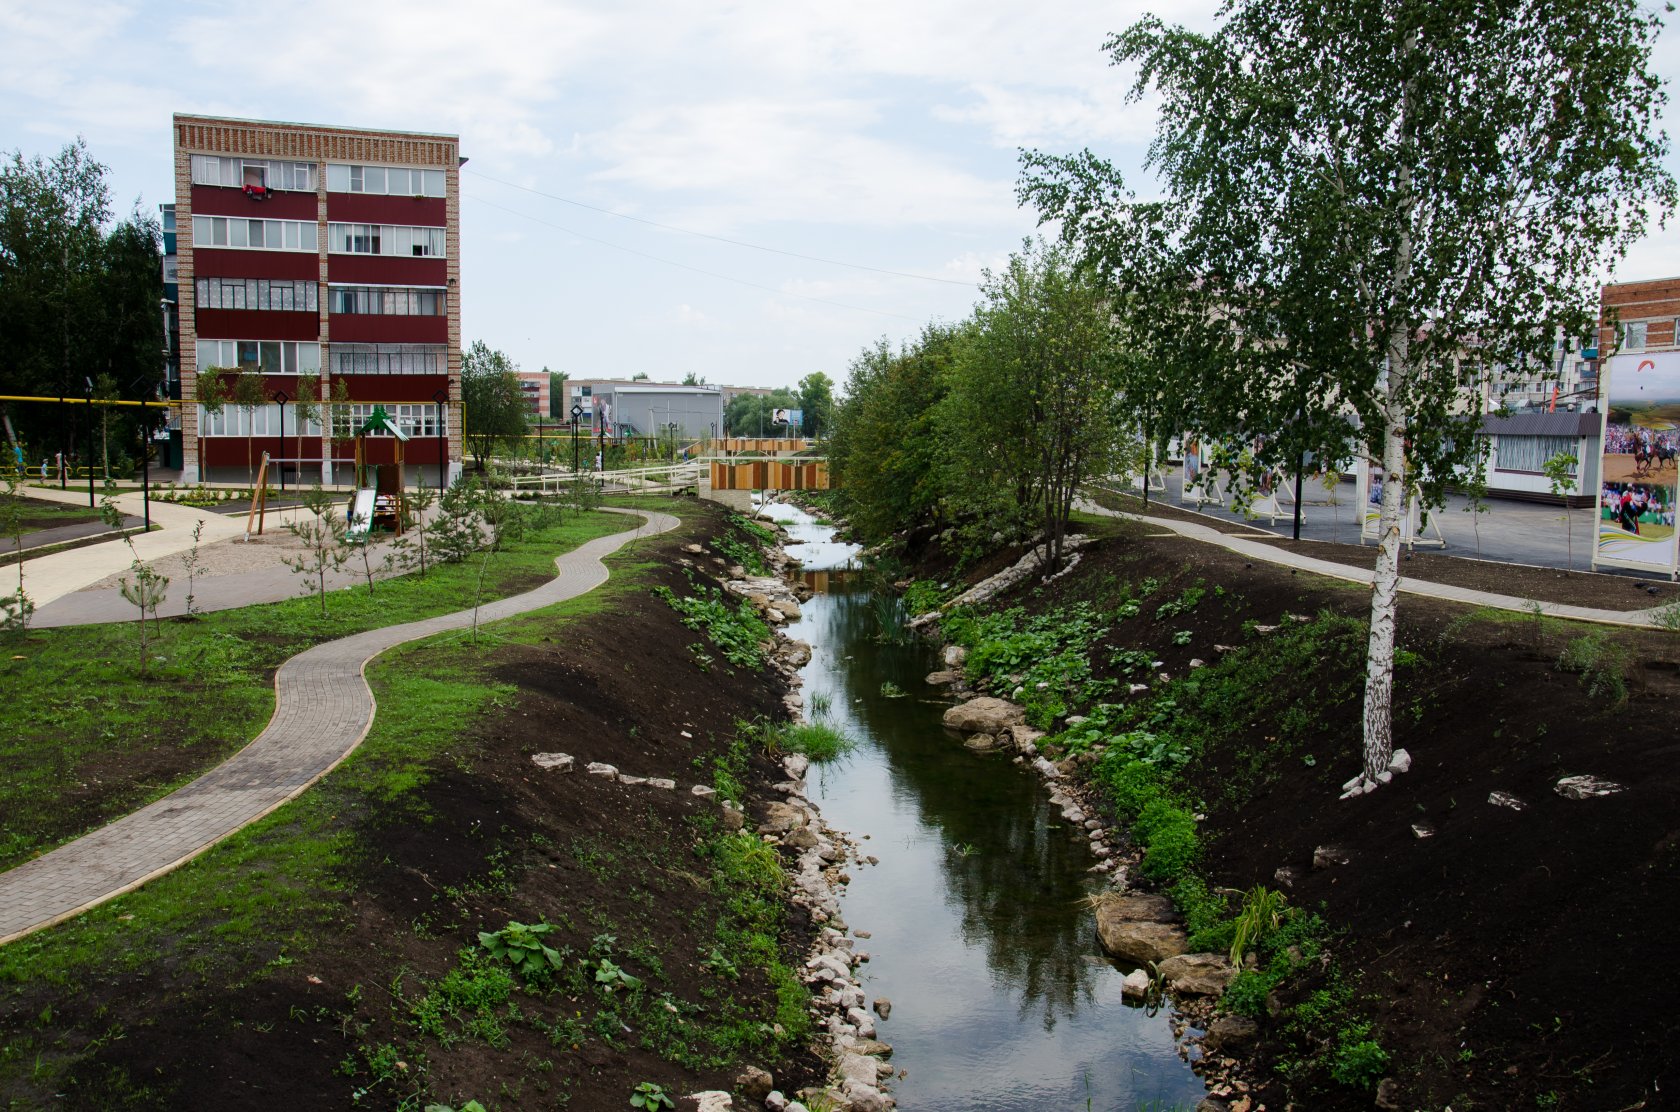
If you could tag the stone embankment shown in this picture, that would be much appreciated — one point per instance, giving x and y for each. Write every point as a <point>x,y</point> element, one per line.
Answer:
<point>818,874</point>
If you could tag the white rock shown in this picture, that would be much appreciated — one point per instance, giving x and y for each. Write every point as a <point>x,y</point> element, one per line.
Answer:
<point>702,791</point>
<point>1049,770</point>
<point>633,781</point>
<point>596,768</point>
<point>714,1100</point>
<point>776,1102</point>
<point>662,784</point>
<point>1586,787</point>
<point>1138,688</point>
<point>796,764</point>
<point>1197,662</point>
<point>1135,986</point>
<point>559,762</point>
<point>1506,799</point>
<point>1400,762</point>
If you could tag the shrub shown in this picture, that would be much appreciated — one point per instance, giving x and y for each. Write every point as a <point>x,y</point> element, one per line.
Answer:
<point>1359,1064</point>
<point>817,740</point>
<point>1169,832</point>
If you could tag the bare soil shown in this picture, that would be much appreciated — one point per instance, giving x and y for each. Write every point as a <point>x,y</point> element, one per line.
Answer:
<point>489,838</point>
<point>1511,959</point>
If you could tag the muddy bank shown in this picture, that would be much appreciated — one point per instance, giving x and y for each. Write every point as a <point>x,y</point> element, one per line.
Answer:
<point>1453,919</point>
<point>344,963</point>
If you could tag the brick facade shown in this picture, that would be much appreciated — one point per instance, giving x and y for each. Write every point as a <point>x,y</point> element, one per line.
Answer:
<point>320,146</point>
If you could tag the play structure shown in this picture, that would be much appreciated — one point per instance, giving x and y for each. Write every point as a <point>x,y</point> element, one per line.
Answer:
<point>378,501</point>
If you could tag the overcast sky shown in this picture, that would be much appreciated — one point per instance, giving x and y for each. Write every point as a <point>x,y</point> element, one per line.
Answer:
<point>880,133</point>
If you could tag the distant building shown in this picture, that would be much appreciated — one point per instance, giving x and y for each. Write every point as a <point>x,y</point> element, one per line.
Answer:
<point>533,387</point>
<point>318,251</point>
<point>640,407</point>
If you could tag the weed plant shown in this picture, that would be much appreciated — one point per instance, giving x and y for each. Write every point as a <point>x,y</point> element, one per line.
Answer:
<point>737,630</point>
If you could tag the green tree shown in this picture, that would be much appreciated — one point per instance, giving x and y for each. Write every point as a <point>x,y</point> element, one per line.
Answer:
<point>493,404</point>
<point>753,414</point>
<point>816,400</point>
<point>213,391</point>
<point>246,392</point>
<point>1560,476</point>
<point>557,405</point>
<point>884,450</point>
<point>1389,194</point>
<point>1031,412</point>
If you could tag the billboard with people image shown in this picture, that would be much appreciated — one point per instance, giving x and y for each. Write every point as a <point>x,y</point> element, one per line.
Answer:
<point>1641,464</point>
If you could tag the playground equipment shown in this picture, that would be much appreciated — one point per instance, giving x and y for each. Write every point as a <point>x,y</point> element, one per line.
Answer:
<point>378,501</point>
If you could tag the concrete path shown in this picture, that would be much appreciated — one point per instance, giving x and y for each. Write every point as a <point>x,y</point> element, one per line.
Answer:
<point>323,709</point>
<point>1272,554</point>
<point>52,577</point>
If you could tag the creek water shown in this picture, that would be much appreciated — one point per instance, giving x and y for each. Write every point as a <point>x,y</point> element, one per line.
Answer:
<point>979,936</point>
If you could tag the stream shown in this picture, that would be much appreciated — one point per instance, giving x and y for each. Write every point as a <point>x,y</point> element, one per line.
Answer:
<point>979,936</point>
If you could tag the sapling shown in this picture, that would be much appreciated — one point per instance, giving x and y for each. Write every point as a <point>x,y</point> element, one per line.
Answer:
<point>414,514</point>
<point>15,607</point>
<point>1560,475</point>
<point>193,563</point>
<point>149,587</point>
<point>326,541</point>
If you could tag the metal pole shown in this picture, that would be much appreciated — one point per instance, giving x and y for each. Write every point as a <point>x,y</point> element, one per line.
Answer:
<point>1300,465</point>
<point>145,465</point>
<point>281,399</point>
<point>91,503</point>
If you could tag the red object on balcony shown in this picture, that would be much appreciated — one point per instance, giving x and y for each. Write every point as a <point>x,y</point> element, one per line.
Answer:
<point>257,192</point>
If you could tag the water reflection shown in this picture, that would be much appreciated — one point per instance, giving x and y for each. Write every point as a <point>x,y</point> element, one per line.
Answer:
<point>979,933</point>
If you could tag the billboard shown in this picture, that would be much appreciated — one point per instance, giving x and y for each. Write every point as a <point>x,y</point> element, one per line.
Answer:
<point>1641,463</point>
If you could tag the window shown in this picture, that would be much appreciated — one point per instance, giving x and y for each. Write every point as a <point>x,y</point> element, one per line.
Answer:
<point>420,419</point>
<point>1633,335</point>
<point>240,172</point>
<point>1530,453</point>
<point>400,301</point>
<point>385,239</point>
<point>258,293</point>
<point>274,357</point>
<point>260,420</point>
<point>389,359</point>
<point>267,235</point>
<point>395,181</point>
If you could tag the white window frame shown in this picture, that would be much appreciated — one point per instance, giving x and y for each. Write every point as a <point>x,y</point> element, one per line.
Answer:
<point>409,181</point>
<point>296,357</point>
<point>277,174</point>
<point>235,232</point>
<point>1635,335</point>
<point>388,359</point>
<point>390,240</point>
<point>258,294</point>
<point>386,301</point>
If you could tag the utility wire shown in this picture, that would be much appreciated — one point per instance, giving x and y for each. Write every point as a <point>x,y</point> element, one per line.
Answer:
<point>723,239</point>
<point>685,266</point>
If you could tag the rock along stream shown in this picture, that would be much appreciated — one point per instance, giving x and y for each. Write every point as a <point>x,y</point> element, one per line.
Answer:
<point>979,933</point>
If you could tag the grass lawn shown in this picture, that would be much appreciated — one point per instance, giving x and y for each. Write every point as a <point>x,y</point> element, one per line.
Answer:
<point>86,739</point>
<point>34,514</point>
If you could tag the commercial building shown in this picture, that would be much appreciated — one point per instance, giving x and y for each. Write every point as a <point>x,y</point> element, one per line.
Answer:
<point>318,258</point>
<point>637,407</point>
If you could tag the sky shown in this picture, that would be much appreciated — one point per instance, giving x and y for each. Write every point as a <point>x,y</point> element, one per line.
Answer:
<point>881,134</point>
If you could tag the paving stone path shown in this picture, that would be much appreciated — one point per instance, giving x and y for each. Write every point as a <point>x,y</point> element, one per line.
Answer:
<point>1260,550</point>
<point>323,709</point>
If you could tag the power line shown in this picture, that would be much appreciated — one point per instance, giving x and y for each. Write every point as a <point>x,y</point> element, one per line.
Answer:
<point>685,266</point>
<point>723,239</point>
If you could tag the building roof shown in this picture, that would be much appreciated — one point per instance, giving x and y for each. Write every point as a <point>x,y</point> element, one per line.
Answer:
<point>194,117</point>
<point>1542,424</point>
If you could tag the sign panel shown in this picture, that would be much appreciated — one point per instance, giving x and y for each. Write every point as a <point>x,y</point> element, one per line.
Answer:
<point>1639,473</point>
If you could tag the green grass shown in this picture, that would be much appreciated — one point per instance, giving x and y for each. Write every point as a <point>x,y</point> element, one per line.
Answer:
<point>817,740</point>
<point>46,515</point>
<point>78,721</point>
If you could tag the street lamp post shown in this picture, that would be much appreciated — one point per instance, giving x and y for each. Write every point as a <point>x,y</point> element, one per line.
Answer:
<point>281,398</point>
<point>441,397</point>
<point>89,380</point>
<point>577,414</point>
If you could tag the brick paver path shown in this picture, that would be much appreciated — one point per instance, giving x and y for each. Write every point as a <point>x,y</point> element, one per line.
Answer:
<point>1260,550</point>
<point>323,709</point>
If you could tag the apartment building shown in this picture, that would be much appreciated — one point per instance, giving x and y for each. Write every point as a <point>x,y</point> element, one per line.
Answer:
<point>324,255</point>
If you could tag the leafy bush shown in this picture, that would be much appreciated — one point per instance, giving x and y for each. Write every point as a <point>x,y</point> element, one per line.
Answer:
<point>651,1097</point>
<point>1602,665</point>
<point>1169,833</point>
<point>737,631</point>
<point>924,595</point>
<point>522,947</point>
<point>1359,1064</point>
<point>1247,994</point>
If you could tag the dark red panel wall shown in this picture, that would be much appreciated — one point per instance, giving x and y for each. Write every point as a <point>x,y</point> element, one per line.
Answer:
<point>410,389</point>
<point>221,200</point>
<point>256,324</point>
<point>362,328</point>
<point>359,208</point>
<point>387,270</point>
<point>235,262</point>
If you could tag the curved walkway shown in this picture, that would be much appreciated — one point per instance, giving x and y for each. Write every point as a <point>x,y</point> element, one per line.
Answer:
<point>322,711</point>
<point>1259,550</point>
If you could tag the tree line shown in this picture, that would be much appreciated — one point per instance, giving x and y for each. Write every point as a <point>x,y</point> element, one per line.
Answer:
<point>1364,210</point>
<point>80,302</point>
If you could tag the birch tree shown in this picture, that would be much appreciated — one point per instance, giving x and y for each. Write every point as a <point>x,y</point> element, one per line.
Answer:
<point>1383,197</point>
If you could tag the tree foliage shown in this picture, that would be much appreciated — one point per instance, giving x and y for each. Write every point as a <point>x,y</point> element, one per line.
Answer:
<point>1367,206</point>
<point>79,298</point>
<point>492,402</point>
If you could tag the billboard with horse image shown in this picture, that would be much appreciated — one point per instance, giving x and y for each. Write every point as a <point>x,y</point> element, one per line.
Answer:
<point>1641,465</point>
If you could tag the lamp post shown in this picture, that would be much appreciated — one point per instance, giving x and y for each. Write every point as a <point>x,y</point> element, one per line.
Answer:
<point>441,397</point>
<point>281,398</point>
<point>577,414</point>
<point>89,381</point>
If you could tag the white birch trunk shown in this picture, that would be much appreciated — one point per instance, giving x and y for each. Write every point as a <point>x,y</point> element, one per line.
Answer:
<point>1385,585</point>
